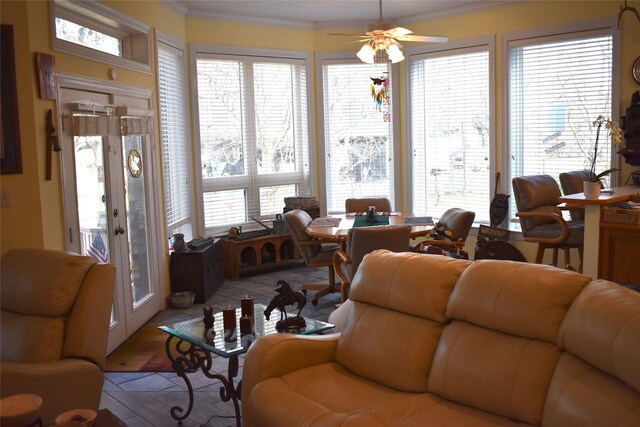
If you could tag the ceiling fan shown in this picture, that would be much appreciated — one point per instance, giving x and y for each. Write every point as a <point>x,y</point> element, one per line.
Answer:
<point>381,41</point>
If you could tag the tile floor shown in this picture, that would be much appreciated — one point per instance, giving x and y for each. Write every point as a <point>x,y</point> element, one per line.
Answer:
<point>144,399</point>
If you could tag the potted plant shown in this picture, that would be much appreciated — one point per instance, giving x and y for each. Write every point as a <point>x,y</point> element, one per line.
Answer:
<point>592,187</point>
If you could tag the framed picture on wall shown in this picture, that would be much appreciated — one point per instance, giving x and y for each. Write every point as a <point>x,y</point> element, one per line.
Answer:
<point>10,154</point>
<point>46,75</point>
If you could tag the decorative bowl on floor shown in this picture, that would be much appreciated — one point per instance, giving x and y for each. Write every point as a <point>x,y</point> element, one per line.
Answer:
<point>183,299</point>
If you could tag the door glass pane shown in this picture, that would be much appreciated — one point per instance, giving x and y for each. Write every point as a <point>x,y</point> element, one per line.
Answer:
<point>136,204</point>
<point>90,187</point>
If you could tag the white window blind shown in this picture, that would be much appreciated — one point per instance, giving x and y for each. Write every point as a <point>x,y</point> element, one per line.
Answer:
<point>254,142</point>
<point>174,135</point>
<point>557,87</point>
<point>451,131</point>
<point>358,141</point>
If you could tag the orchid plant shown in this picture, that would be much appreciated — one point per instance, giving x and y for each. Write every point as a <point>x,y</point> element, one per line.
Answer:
<point>615,133</point>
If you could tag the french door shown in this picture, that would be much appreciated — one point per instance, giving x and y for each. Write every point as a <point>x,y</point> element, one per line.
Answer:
<point>109,209</point>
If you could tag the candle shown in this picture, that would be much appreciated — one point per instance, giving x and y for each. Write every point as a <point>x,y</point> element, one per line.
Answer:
<point>245,325</point>
<point>229,318</point>
<point>246,305</point>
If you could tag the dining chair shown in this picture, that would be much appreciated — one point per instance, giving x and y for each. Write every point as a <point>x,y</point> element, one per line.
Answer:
<point>537,198</point>
<point>360,242</point>
<point>381,204</point>
<point>450,232</point>
<point>571,183</point>
<point>315,252</point>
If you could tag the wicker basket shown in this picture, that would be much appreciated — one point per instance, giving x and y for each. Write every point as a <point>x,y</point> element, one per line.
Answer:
<point>621,215</point>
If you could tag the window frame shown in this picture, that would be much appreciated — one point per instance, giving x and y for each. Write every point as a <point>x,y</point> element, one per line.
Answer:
<point>470,45</point>
<point>351,58</point>
<point>222,183</point>
<point>172,43</point>
<point>135,36</point>
<point>539,36</point>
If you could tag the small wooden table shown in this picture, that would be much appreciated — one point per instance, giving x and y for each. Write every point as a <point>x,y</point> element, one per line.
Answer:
<point>592,213</point>
<point>340,233</point>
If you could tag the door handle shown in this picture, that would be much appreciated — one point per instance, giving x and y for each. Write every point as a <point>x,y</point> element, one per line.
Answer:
<point>119,230</point>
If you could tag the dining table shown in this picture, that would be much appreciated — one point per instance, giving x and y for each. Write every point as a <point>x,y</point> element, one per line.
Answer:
<point>336,228</point>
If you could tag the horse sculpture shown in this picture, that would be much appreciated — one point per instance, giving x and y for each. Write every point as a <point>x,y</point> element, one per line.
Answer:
<point>286,296</point>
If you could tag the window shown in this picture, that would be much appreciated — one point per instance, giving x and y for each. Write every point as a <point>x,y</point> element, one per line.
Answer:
<point>357,136</point>
<point>253,133</point>
<point>174,136</point>
<point>98,33</point>
<point>450,95</point>
<point>558,85</point>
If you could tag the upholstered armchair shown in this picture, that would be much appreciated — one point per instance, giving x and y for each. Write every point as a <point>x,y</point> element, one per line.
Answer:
<point>54,327</point>
<point>571,183</point>
<point>364,240</point>
<point>315,252</point>
<point>458,221</point>
<point>537,199</point>
<point>362,205</point>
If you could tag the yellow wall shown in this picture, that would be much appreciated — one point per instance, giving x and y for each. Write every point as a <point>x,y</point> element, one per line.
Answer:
<point>35,218</point>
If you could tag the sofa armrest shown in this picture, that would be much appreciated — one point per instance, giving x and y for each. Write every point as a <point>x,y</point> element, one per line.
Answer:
<point>275,355</point>
<point>88,326</point>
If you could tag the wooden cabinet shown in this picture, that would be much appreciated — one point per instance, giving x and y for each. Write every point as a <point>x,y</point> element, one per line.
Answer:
<point>198,270</point>
<point>245,256</point>
<point>620,253</point>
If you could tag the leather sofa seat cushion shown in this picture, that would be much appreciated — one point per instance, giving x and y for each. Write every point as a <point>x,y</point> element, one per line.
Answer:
<point>30,339</point>
<point>603,328</point>
<point>528,300</point>
<point>329,395</point>
<point>581,395</point>
<point>492,371</point>
<point>49,290</point>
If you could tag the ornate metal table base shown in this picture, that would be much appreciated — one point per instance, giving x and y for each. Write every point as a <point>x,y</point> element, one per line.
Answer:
<point>190,358</point>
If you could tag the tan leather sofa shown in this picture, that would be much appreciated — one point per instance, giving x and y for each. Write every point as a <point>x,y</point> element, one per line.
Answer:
<point>428,340</point>
<point>54,326</point>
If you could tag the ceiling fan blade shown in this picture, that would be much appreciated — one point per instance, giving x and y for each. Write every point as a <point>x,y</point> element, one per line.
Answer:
<point>398,31</point>
<point>430,39</point>
<point>344,34</point>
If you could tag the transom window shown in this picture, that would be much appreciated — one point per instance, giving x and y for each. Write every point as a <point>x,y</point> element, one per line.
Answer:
<point>85,36</point>
<point>99,33</point>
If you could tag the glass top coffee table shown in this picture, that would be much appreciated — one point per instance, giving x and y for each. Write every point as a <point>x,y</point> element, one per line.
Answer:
<point>190,345</point>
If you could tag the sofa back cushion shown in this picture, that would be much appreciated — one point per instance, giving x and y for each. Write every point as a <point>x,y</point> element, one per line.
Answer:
<point>598,379</point>
<point>48,290</point>
<point>399,304</point>
<point>499,353</point>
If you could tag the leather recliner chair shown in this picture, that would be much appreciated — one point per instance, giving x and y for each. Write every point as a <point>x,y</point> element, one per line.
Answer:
<point>54,328</point>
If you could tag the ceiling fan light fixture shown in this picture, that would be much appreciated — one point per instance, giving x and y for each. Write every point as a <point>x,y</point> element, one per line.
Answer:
<point>366,54</point>
<point>395,54</point>
<point>381,56</point>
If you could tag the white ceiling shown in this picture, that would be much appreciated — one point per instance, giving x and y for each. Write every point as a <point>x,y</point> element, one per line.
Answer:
<point>327,13</point>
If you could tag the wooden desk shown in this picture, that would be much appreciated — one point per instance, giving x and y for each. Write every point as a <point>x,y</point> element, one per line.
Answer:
<point>592,214</point>
<point>339,234</point>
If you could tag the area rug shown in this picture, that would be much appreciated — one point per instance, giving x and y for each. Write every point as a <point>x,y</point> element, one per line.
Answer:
<point>144,351</point>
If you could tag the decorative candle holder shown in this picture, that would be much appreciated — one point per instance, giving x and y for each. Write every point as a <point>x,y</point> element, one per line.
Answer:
<point>229,318</point>
<point>246,306</point>
<point>245,325</point>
